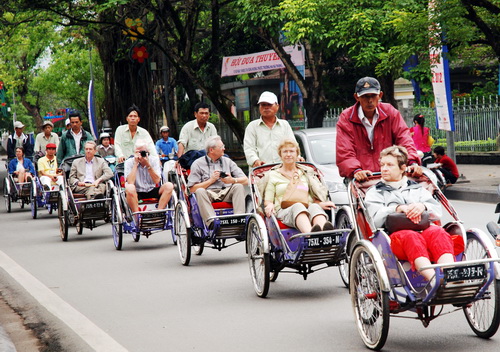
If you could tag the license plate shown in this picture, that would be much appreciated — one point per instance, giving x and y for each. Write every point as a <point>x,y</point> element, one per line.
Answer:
<point>152,215</point>
<point>470,272</point>
<point>323,241</point>
<point>233,221</point>
<point>94,205</point>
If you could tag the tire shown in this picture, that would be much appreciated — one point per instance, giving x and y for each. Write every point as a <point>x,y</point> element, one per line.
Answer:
<point>136,236</point>
<point>183,234</point>
<point>33,203</point>
<point>116,227</point>
<point>63,221</point>
<point>370,303</point>
<point>79,227</point>
<point>8,200</point>
<point>344,222</point>
<point>198,248</point>
<point>483,315</point>
<point>258,261</point>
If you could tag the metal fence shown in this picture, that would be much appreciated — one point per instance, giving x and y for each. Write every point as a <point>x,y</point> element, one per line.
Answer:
<point>477,122</point>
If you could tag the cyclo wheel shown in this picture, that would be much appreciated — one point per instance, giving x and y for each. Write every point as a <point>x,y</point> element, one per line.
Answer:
<point>183,234</point>
<point>33,203</point>
<point>370,303</point>
<point>117,228</point>
<point>258,261</point>
<point>482,315</point>
<point>344,222</point>
<point>8,201</point>
<point>79,226</point>
<point>63,220</point>
<point>136,235</point>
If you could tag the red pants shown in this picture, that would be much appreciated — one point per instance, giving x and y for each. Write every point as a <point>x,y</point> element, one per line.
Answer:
<point>431,243</point>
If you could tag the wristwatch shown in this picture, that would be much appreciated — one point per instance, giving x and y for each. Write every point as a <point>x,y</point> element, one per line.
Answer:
<point>235,180</point>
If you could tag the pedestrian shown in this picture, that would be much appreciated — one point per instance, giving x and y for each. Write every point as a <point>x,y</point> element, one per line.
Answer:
<point>422,138</point>
<point>448,168</point>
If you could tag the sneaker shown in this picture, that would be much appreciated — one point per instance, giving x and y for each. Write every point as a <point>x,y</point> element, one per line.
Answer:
<point>328,226</point>
<point>316,228</point>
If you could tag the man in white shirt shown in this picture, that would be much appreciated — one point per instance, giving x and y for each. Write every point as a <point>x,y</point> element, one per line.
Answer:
<point>45,137</point>
<point>194,133</point>
<point>262,136</point>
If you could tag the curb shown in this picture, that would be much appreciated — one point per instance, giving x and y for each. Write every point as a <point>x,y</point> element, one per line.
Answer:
<point>472,195</point>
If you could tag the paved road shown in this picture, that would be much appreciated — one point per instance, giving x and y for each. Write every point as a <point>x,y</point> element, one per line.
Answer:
<point>143,299</point>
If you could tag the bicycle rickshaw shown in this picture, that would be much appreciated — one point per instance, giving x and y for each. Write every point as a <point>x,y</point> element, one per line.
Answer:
<point>15,192</point>
<point>382,286</point>
<point>74,209</point>
<point>190,227</point>
<point>41,198</point>
<point>275,247</point>
<point>144,222</point>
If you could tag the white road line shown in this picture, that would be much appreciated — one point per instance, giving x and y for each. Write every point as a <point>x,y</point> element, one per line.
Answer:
<point>80,324</point>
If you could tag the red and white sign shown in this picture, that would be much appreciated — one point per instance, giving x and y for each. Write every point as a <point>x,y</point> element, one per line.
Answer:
<point>262,61</point>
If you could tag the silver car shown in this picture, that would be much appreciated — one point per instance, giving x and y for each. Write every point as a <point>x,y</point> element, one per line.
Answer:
<point>317,146</point>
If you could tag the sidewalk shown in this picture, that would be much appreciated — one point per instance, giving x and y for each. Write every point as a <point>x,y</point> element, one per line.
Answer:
<point>477,183</point>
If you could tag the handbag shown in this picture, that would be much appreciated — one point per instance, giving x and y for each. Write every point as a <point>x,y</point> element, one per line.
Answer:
<point>295,192</point>
<point>430,140</point>
<point>398,221</point>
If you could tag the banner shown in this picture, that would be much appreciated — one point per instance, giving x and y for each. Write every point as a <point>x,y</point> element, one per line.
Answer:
<point>262,61</point>
<point>91,113</point>
<point>440,77</point>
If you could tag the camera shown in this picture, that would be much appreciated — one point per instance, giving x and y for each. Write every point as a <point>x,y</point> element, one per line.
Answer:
<point>144,153</point>
<point>223,174</point>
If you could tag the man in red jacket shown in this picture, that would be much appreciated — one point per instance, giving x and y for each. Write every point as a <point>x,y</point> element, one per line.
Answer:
<point>448,167</point>
<point>366,128</point>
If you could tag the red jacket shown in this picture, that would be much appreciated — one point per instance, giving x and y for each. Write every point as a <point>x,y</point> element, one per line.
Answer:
<point>447,163</point>
<point>354,150</point>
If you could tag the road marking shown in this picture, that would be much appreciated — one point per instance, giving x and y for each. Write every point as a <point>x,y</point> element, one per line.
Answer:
<point>79,323</point>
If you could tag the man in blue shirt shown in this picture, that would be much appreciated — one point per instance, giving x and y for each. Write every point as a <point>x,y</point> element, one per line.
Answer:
<point>166,146</point>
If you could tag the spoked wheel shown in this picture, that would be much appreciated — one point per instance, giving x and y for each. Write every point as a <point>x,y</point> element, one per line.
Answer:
<point>370,303</point>
<point>258,260</point>
<point>183,234</point>
<point>33,203</point>
<point>117,227</point>
<point>344,222</point>
<point>198,248</point>
<point>79,226</point>
<point>136,236</point>
<point>483,315</point>
<point>63,220</point>
<point>8,200</point>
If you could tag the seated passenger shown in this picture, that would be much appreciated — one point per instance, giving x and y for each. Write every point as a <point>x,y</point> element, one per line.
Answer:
<point>298,184</point>
<point>20,167</point>
<point>47,168</point>
<point>88,175</point>
<point>143,174</point>
<point>395,193</point>
<point>105,148</point>
<point>216,178</point>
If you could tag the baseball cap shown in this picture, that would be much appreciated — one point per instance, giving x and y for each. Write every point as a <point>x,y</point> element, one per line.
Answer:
<point>47,122</point>
<point>367,85</point>
<point>18,124</point>
<point>68,121</point>
<point>164,129</point>
<point>268,97</point>
<point>50,145</point>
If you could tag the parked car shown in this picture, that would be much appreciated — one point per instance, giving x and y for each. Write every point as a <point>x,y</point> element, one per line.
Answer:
<point>317,146</point>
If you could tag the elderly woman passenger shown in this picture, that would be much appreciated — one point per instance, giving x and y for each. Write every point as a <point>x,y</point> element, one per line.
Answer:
<point>396,194</point>
<point>21,167</point>
<point>309,215</point>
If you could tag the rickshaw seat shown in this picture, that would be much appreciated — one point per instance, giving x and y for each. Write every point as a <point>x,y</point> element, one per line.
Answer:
<point>222,205</point>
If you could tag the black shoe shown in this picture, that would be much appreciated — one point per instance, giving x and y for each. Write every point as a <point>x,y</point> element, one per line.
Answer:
<point>328,226</point>
<point>46,188</point>
<point>316,228</point>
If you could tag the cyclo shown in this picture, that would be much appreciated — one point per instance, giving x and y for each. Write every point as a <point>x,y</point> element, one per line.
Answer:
<point>382,286</point>
<point>14,192</point>
<point>40,197</point>
<point>144,222</point>
<point>74,209</point>
<point>190,228</point>
<point>273,247</point>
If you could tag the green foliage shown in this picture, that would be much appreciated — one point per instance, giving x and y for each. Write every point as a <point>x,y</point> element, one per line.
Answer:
<point>488,145</point>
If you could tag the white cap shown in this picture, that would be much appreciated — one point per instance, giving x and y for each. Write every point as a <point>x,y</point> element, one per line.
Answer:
<point>18,124</point>
<point>68,121</point>
<point>268,97</point>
